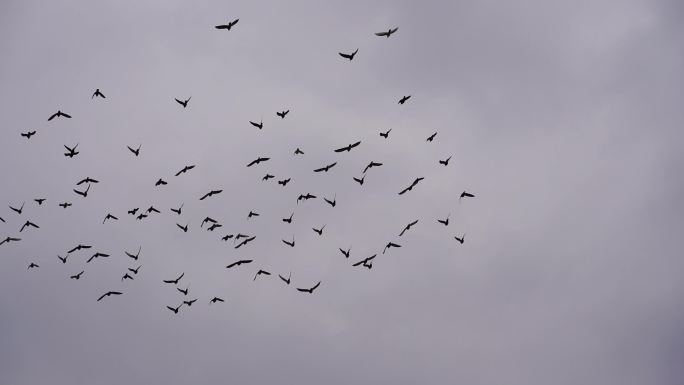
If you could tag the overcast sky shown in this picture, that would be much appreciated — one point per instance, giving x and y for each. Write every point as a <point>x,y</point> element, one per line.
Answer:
<point>562,117</point>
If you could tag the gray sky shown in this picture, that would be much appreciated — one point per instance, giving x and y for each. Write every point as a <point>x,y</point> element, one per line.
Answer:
<point>564,118</point>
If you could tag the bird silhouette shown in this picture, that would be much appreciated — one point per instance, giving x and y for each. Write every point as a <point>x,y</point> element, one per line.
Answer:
<point>365,262</point>
<point>215,299</point>
<point>39,201</point>
<point>214,227</point>
<point>126,276</point>
<point>174,281</point>
<point>153,210</point>
<point>135,271</point>
<point>189,303</point>
<point>282,114</point>
<point>64,205</point>
<point>184,228</point>
<point>387,33</point>
<point>305,197</point>
<point>72,151</point>
<point>183,103</point>
<point>141,216</point>
<point>386,134</point>
<point>174,309</point>
<point>59,114</point>
<point>287,281</point>
<point>97,93</point>
<point>107,294</point>
<point>2,220</point>
<point>260,272</point>
<point>28,224</point>
<point>409,188</point>
<point>371,165</point>
<point>257,161</point>
<point>408,227</point>
<point>210,193</point>
<point>326,168</point>
<point>28,134</point>
<point>465,194</point>
<point>318,231</point>
<point>109,216</point>
<point>78,276</point>
<point>291,244</point>
<point>259,125</point>
<point>461,239</point>
<point>360,181</point>
<point>88,180</point>
<point>404,99</point>
<point>178,210</point>
<point>238,263</point>
<point>431,137</point>
<point>207,220</point>
<point>227,237</point>
<point>161,182</point>
<point>345,253</point>
<point>445,221</point>
<point>390,245</point>
<point>267,177</point>
<point>9,239</point>
<point>311,289</point>
<point>445,161</point>
<point>83,193</point>
<point>18,210</point>
<point>185,169</point>
<point>228,26</point>
<point>63,259</point>
<point>246,241</point>
<point>79,248</point>
<point>284,182</point>
<point>184,291</point>
<point>135,152</point>
<point>349,56</point>
<point>332,202</point>
<point>298,152</point>
<point>252,214</point>
<point>133,256</point>
<point>97,255</point>
<point>348,147</point>
<point>288,220</point>
<point>32,266</point>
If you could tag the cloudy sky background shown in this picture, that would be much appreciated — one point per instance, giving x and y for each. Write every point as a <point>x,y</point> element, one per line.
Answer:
<point>564,118</point>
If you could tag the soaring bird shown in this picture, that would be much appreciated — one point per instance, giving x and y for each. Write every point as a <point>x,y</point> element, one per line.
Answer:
<point>291,244</point>
<point>366,262</point>
<point>238,263</point>
<point>404,99</point>
<point>134,271</point>
<point>349,56</point>
<point>445,161</point>
<point>183,103</point>
<point>178,210</point>
<point>287,281</point>
<point>107,294</point>
<point>332,202</point>
<point>246,241</point>
<point>282,114</point>
<point>136,151</point>
<point>390,245</point>
<point>28,134</point>
<point>284,182</point>
<point>97,93</point>
<point>79,248</point>
<point>72,151</point>
<point>257,161</point>
<point>109,216</point>
<point>83,193</point>
<point>326,168</point>
<point>210,193</point>
<point>260,272</point>
<point>32,266</point>
<point>288,220</point>
<point>59,114</point>
<point>445,221</point>
<point>28,224</point>
<point>305,197</point>
<point>267,177</point>
<point>208,220</point>
<point>408,227</point>
<point>345,253</point>
<point>348,147</point>
<point>409,188</point>
<point>161,182</point>
<point>184,291</point>
<point>141,216</point>
<point>387,33</point>
<point>87,180</point>
<point>371,165</point>
<point>189,303</point>
<point>10,239</point>
<point>214,227</point>
<point>360,180</point>
<point>97,255</point>
<point>431,137</point>
<point>134,256</point>
<point>185,169</point>
<point>63,259</point>
<point>78,276</point>
<point>39,201</point>
<point>311,289</point>
<point>174,309</point>
<point>465,194</point>
<point>318,231</point>
<point>228,26</point>
<point>64,205</point>
<point>298,152</point>
<point>461,239</point>
<point>386,134</point>
<point>153,210</point>
<point>175,281</point>
<point>17,210</point>
<point>259,125</point>
<point>227,237</point>
<point>252,214</point>
<point>184,228</point>
<point>215,299</point>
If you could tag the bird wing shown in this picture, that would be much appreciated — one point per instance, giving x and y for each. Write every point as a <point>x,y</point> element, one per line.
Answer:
<point>381,34</point>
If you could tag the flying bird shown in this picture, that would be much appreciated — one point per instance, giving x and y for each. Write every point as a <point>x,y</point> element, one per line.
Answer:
<point>153,210</point>
<point>465,194</point>
<point>288,220</point>
<point>134,256</point>
<point>10,239</point>
<point>298,151</point>
<point>348,147</point>
<point>445,221</point>
<point>109,216</point>
<point>28,224</point>
<point>97,93</point>
<point>404,99</point>
<point>97,255</point>
<point>371,165</point>
<point>345,253</point>
<point>431,137</point>
<point>227,237</point>
<point>215,299</point>
<point>408,227</point>
<point>28,134</point>
<point>311,289</point>
<point>291,244</point>
<point>267,177</point>
<point>178,210</point>
<point>445,161</point>
<point>72,151</point>
<point>63,259</point>
<point>246,241</point>
<point>257,161</point>
<point>59,114</point>
<point>184,228</point>
<point>107,294</point>
<point>238,263</point>
<point>252,214</point>
<point>83,193</point>
<point>284,182</point>
<point>409,188</point>
<point>349,56</point>
<point>207,220</point>
<point>228,26</point>
<point>78,276</point>
<point>318,231</point>
<point>326,168</point>
<point>79,248</point>
<point>282,114</point>
<point>185,169</point>
<point>386,134</point>
<point>184,291</point>
<point>305,197</point>
<point>174,281</point>
<point>214,227</point>
<point>461,239</point>
<point>174,309</point>
<point>366,262</point>
<point>87,180</point>
<point>387,33</point>
<point>360,181</point>
<point>183,103</point>
<point>136,151</point>
<point>189,303</point>
<point>32,266</point>
<point>141,216</point>
<point>332,202</point>
<point>287,281</point>
<point>134,271</point>
<point>39,201</point>
<point>64,205</point>
<point>17,210</point>
<point>260,272</point>
<point>390,245</point>
<point>126,276</point>
<point>259,125</point>
<point>161,182</point>
<point>210,193</point>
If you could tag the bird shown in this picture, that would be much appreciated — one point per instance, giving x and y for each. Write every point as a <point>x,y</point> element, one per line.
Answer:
<point>326,168</point>
<point>141,216</point>
<point>189,303</point>
<point>184,103</point>
<point>134,271</point>
<point>178,210</point>
<point>390,245</point>
<point>298,152</point>
<point>87,180</point>
<point>284,182</point>
<point>252,214</point>
<point>174,281</point>
<point>257,161</point>
<point>360,181</point>
<point>79,248</point>
<point>126,276</point>
<point>260,272</point>
<point>387,33</point>
<point>2,220</point>
<point>287,281</point>
<point>227,237</point>
<point>445,161</point>
<point>386,134</point>
<point>404,99</point>
<point>291,244</point>
<point>348,147</point>
<point>185,169</point>
<point>215,299</point>
<point>288,220</point>
<point>184,228</point>
<point>465,194</point>
<point>17,210</point>
<point>332,202</point>
<point>174,309</point>
<point>78,276</point>
<point>109,216</point>
<point>59,114</point>
<point>311,289</point>
<point>161,182</point>
<point>445,221</point>
<point>349,56</point>
<point>28,134</point>
<point>153,210</point>
<point>63,259</point>
<point>305,197</point>
<point>408,227</point>
<point>136,151</point>
<point>133,256</point>
<point>210,193</point>
<point>214,227</point>
<point>28,224</point>
<point>184,291</point>
<point>267,177</point>
<point>431,137</point>
<point>345,253</point>
<point>39,201</point>
<point>107,294</point>
<point>207,220</point>
<point>72,151</point>
<point>64,205</point>
<point>238,263</point>
<point>282,114</point>
<point>365,262</point>
<point>10,239</point>
<point>371,165</point>
<point>97,255</point>
<point>32,266</point>
<point>318,231</point>
<point>460,240</point>
<point>259,125</point>
<point>228,26</point>
<point>409,188</point>
<point>97,93</point>
<point>83,193</point>
<point>246,241</point>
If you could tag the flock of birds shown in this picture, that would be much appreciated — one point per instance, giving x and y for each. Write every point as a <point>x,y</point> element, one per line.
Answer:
<point>239,240</point>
